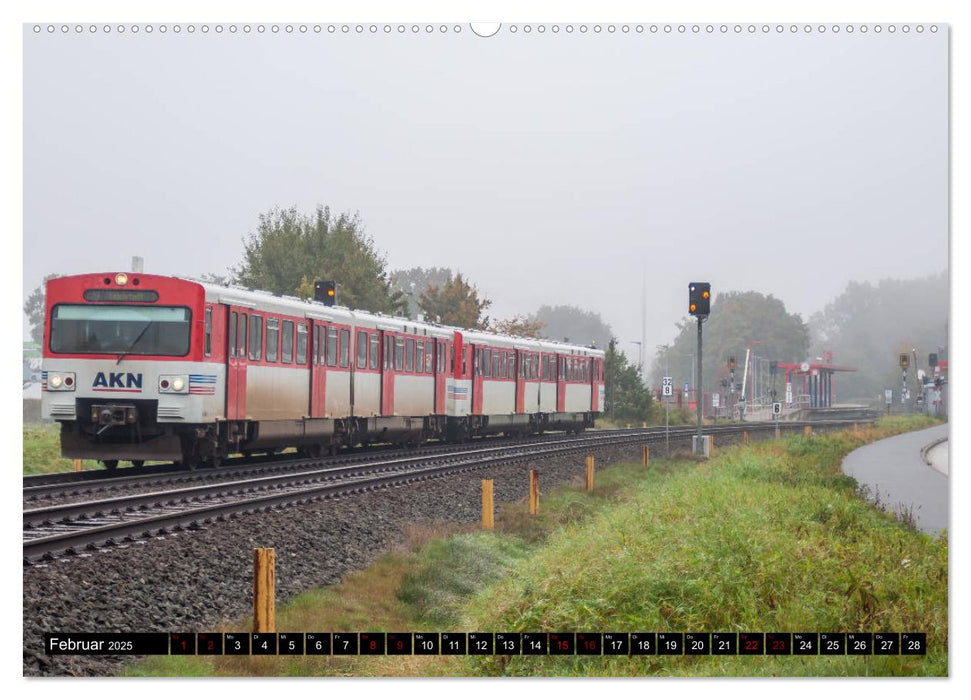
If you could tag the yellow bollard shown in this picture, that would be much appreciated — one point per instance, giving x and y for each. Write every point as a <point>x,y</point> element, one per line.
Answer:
<point>487,509</point>
<point>264,597</point>
<point>808,431</point>
<point>745,437</point>
<point>590,473</point>
<point>645,455</point>
<point>77,465</point>
<point>533,492</point>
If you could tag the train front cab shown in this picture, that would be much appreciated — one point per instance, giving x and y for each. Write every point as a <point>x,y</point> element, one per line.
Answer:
<point>122,359</point>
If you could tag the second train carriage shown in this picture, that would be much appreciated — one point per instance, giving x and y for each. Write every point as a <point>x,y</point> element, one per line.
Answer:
<point>154,367</point>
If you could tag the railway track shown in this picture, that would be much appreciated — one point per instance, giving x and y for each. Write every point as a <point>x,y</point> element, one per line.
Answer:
<point>97,481</point>
<point>89,525</point>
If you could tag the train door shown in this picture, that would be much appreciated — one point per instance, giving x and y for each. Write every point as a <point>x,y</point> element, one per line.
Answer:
<point>387,373</point>
<point>561,370</point>
<point>520,382</point>
<point>537,369</point>
<point>441,369</point>
<point>318,372</point>
<point>236,364</point>
<point>481,360</point>
<point>595,380</point>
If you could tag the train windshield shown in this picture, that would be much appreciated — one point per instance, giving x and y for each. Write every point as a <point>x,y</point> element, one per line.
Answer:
<point>126,330</point>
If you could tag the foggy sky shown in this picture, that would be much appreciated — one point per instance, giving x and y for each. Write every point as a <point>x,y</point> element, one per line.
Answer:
<point>550,169</point>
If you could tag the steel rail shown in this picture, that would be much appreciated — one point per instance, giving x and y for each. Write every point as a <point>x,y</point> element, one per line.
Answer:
<point>89,537</point>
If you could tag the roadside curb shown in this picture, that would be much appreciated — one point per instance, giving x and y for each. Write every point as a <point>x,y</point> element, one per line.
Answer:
<point>930,446</point>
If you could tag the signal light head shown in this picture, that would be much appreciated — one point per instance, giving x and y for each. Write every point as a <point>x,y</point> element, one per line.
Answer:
<point>699,298</point>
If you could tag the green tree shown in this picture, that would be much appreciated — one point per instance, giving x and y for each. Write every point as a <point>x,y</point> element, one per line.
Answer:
<point>868,325</point>
<point>456,303</point>
<point>520,326</point>
<point>626,397</point>
<point>34,308</point>
<point>579,326</point>
<point>737,318</point>
<point>414,282</point>
<point>289,247</point>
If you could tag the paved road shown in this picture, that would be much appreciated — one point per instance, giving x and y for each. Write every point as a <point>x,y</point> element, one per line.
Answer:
<point>894,469</point>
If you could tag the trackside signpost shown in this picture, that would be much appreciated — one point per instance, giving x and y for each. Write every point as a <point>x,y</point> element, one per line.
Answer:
<point>667,390</point>
<point>699,306</point>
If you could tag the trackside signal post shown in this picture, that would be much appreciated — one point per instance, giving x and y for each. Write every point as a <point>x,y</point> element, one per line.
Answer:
<point>699,306</point>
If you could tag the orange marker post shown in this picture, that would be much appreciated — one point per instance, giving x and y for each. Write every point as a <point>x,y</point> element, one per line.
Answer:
<point>533,492</point>
<point>487,507</point>
<point>264,595</point>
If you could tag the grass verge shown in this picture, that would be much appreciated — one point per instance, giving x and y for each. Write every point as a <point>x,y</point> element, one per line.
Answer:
<point>764,537</point>
<point>42,450</point>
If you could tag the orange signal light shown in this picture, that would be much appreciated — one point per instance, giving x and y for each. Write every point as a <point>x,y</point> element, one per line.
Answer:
<point>692,308</point>
<point>705,294</point>
<point>330,292</point>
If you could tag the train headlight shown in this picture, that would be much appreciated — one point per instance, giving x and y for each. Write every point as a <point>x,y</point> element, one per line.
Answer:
<point>60,381</point>
<point>173,384</point>
<point>121,279</point>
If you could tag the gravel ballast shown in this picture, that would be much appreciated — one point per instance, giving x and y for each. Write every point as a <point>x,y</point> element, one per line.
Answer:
<point>194,580</point>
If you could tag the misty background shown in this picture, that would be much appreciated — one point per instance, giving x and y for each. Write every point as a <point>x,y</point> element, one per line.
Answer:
<point>589,170</point>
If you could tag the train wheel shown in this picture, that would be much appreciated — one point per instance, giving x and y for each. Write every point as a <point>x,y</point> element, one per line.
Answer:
<point>110,463</point>
<point>138,462</point>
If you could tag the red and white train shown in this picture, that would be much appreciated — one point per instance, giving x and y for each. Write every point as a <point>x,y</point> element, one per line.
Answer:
<point>141,367</point>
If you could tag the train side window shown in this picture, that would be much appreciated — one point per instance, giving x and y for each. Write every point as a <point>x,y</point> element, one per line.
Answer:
<point>502,365</point>
<point>231,336</point>
<point>465,362</point>
<point>331,346</point>
<point>272,338</point>
<point>375,347</point>
<point>410,355</point>
<point>345,347</point>
<point>256,338</point>
<point>241,336</point>
<point>388,351</point>
<point>399,354</point>
<point>362,349</point>
<point>420,356</point>
<point>286,343</point>
<point>207,343</point>
<point>302,343</point>
<point>315,350</point>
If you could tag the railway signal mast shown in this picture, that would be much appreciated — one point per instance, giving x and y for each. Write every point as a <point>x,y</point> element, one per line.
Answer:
<point>699,306</point>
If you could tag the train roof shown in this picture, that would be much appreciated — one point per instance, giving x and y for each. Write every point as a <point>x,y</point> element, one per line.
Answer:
<point>294,306</point>
<point>313,309</point>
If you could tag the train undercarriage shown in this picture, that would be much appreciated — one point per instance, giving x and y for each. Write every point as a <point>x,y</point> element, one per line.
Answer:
<point>128,431</point>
